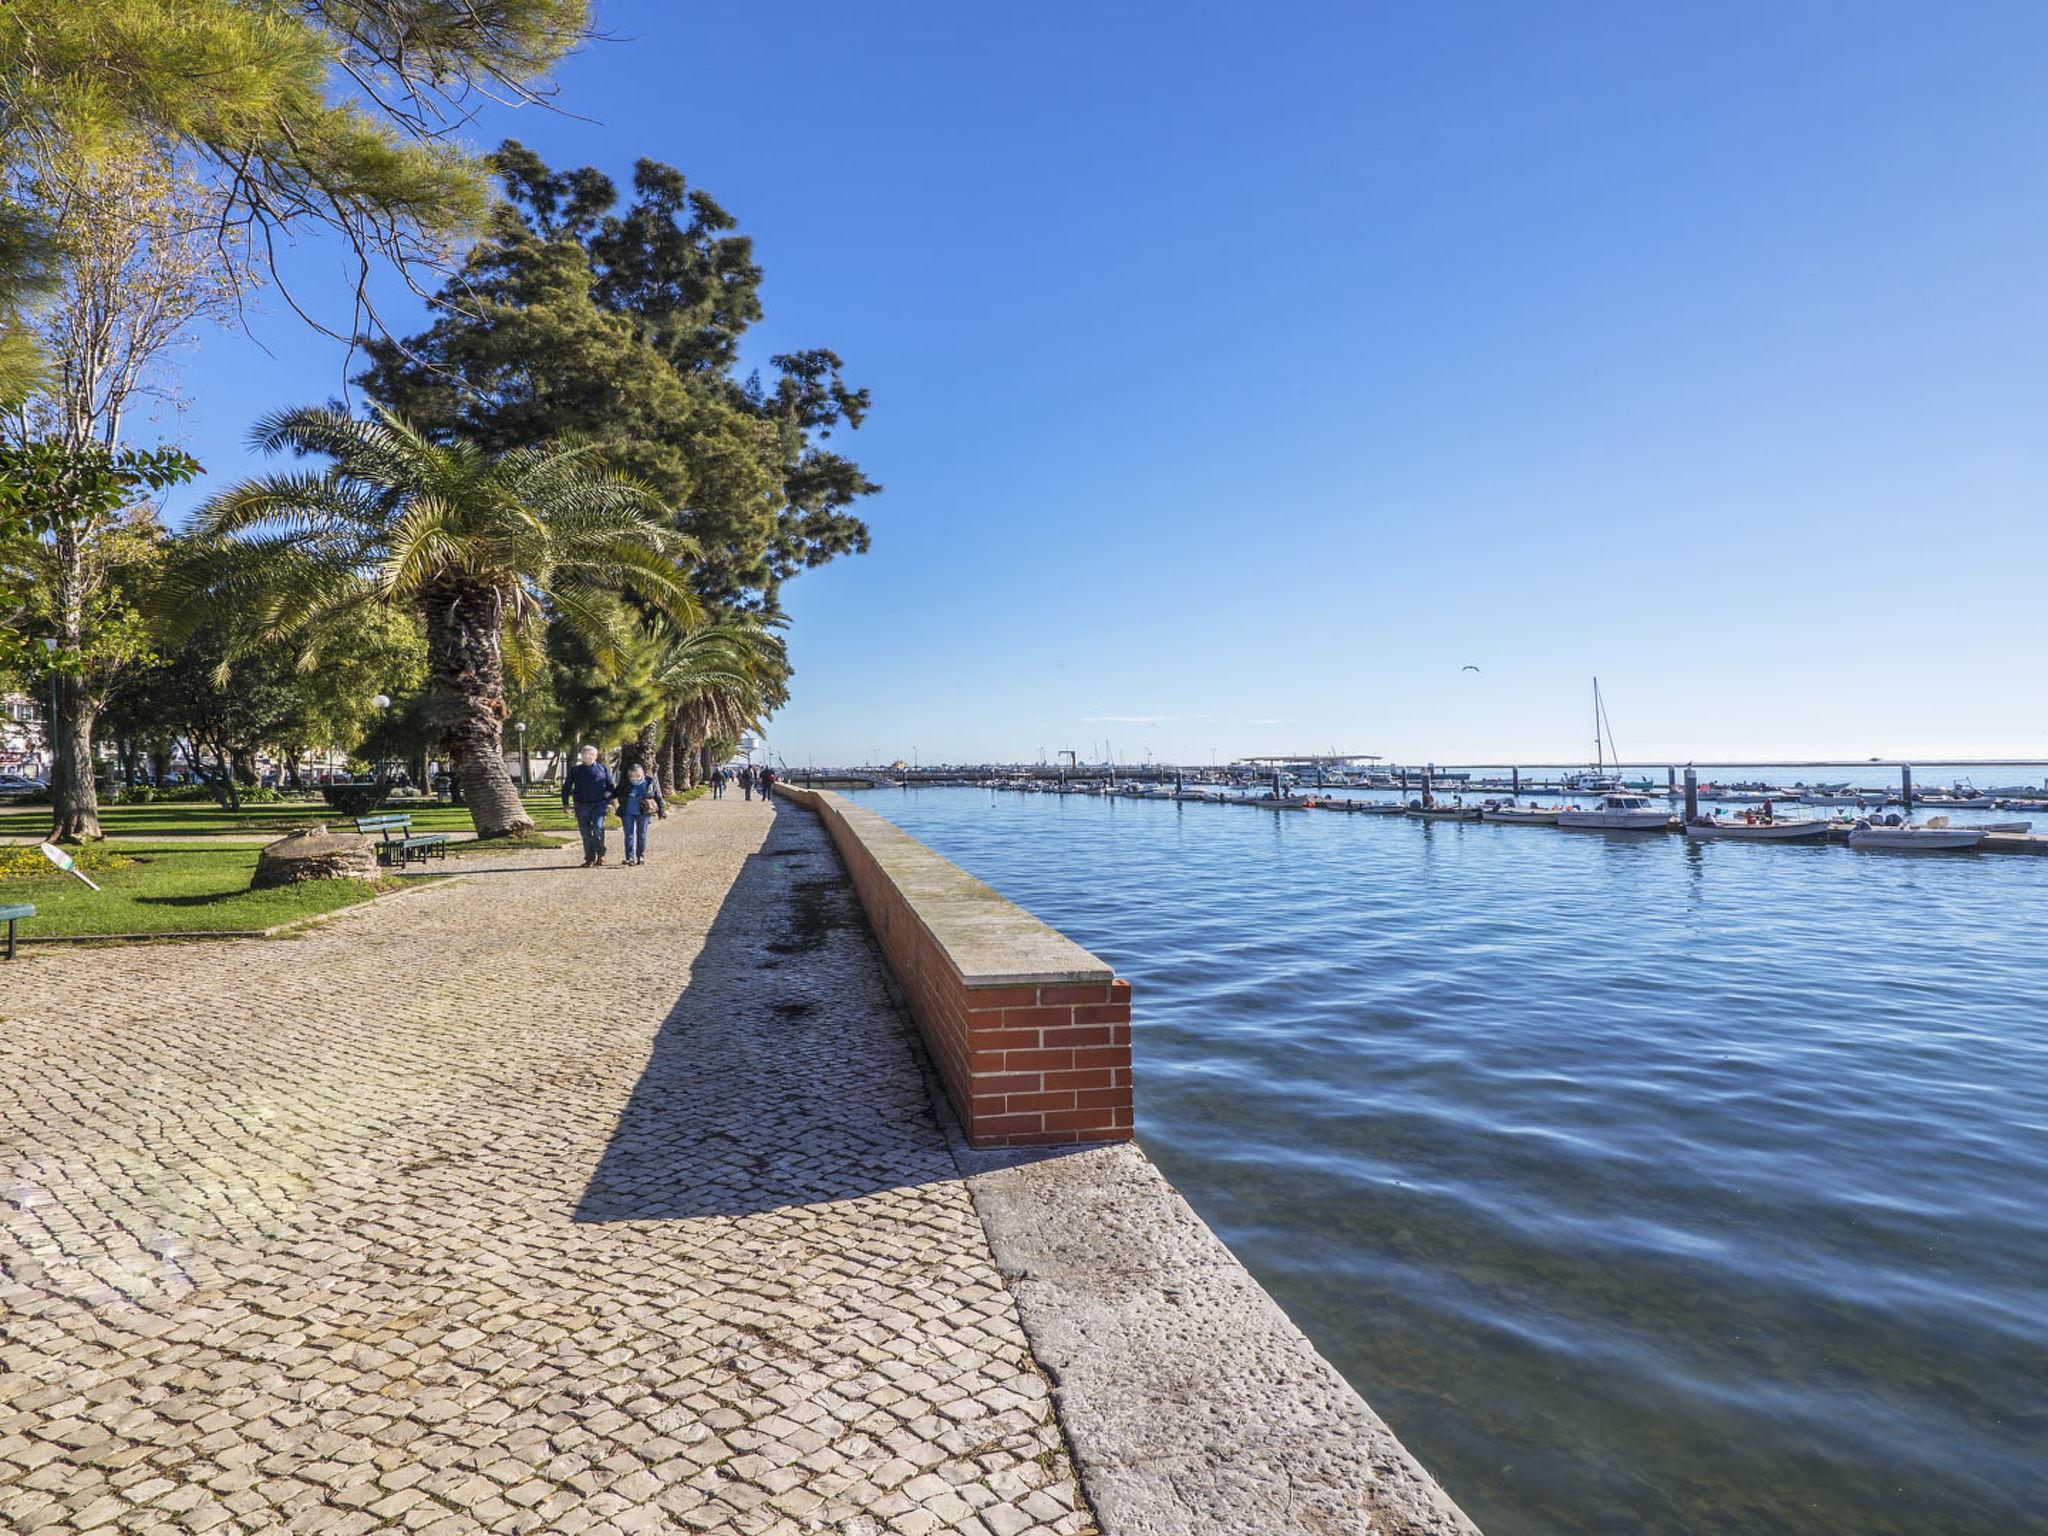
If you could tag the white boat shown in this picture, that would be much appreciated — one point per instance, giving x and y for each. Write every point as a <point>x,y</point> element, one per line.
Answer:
<point>1597,778</point>
<point>1272,802</point>
<point>1445,812</point>
<point>1934,835</point>
<point>1780,829</point>
<point>1618,813</point>
<point>2005,826</point>
<point>1383,808</point>
<point>1522,815</point>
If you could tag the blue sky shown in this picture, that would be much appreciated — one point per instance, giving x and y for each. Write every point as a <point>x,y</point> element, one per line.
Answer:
<point>1242,373</point>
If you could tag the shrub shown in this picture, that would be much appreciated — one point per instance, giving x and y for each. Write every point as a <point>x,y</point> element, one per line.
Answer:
<point>26,862</point>
<point>354,799</point>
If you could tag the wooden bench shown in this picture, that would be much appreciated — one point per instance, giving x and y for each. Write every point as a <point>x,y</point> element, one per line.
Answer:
<point>400,842</point>
<point>11,915</point>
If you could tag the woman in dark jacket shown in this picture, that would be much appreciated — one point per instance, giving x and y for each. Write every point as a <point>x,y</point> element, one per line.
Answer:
<point>639,800</point>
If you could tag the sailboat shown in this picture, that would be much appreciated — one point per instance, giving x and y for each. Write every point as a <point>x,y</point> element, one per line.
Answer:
<point>1598,779</point>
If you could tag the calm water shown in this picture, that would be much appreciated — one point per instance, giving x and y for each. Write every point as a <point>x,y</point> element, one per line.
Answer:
<point>1645,1186</point>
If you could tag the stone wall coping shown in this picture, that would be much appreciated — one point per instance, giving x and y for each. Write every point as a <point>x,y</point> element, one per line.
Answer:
<point>1192,1403</point>
<point>990,940</point>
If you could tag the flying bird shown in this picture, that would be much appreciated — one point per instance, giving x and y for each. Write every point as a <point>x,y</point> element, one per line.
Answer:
<point>1468,667</point>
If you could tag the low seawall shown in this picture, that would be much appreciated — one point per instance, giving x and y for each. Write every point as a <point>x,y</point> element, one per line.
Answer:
<point>1030,1032</point>
<point>1191,1403</point>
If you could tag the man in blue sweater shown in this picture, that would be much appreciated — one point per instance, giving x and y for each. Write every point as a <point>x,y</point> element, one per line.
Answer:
<point>589,788</point>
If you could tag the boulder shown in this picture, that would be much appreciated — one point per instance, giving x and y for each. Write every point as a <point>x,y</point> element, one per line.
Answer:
<point>314,853</point>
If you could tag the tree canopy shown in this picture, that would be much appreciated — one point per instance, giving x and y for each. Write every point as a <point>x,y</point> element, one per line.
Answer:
<point>576,316</point>
<point>322,112</point>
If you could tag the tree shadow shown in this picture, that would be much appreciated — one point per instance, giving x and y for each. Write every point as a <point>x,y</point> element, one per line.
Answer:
<point>784,1075</point>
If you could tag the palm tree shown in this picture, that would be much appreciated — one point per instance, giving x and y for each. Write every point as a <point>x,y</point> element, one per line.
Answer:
<point>479,545</point>
<point>720,680</point>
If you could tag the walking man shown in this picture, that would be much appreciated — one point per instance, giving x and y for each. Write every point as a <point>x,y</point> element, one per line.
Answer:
<point>589,788</point>
<point>747,780</point>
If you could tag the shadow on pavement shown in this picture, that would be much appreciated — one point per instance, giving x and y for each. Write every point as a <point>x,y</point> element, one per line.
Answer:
<point>783,1075</point>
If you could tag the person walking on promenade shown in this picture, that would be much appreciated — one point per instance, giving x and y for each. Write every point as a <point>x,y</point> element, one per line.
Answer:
<point>715,784</point>
<point>639,799</point>
<point>767,782</point>
<point>589,788</point>
<point>747,780</point>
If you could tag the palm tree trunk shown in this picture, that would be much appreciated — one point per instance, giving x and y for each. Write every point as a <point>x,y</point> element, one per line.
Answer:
<point>466,684</point>
<point>639,749</point>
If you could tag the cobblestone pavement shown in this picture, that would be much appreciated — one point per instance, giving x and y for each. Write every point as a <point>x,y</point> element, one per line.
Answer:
<point>580,1201</point>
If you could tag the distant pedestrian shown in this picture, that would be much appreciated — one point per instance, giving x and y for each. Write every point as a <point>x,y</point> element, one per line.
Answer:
<point>717,782</point>
<point>767,782</point>
<point>589,787</point>
<point>747,780</point>
<point>639,801</point>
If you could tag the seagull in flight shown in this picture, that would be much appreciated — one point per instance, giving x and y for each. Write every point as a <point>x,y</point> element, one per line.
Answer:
<point>1468,667</point>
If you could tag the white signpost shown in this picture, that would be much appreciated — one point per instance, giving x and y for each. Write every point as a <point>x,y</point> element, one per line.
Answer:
<point>63,861</point>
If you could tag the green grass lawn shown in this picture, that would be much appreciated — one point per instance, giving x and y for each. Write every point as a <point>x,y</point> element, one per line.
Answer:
<point>166,888</point>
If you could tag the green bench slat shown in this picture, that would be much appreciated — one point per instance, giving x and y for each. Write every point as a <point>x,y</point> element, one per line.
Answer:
<point>398,834</point>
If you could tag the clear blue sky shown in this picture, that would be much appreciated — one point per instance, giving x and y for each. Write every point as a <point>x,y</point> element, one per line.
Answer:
<point>1241,373</point>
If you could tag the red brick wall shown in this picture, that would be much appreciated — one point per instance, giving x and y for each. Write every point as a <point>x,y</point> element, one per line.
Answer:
<point>1025,1063</point>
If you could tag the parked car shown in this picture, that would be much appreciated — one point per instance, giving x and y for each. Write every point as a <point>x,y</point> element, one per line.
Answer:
<point>16,784</point>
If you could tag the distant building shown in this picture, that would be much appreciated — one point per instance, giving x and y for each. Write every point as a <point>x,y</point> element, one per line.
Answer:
<point>21,734</point>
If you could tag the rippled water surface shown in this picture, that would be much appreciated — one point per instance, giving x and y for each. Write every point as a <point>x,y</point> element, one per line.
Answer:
<point>1643,1185</point>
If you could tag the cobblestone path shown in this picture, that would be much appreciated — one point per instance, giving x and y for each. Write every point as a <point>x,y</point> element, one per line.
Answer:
<point>553,1200</point>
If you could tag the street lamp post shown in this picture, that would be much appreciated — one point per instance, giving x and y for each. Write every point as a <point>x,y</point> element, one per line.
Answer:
<point>50,725</point>
<point>525,766</point>
<point>381,702</point>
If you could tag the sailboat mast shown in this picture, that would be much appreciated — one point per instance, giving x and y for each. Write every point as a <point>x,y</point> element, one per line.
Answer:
<point>1599,756</point>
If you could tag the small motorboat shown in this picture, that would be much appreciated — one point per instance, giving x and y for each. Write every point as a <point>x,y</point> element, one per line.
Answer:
<point>1934,835</point>
<point>1510,814</point>
<point>1420,812</point>
<point>1272,802</point>
<point>2005,826</point>
<point>1619,813</point>
<point>1340,803</point>
<point>1745,829</point>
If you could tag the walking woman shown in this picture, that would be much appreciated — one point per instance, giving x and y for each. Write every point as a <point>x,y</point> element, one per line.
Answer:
<point>639,801</point>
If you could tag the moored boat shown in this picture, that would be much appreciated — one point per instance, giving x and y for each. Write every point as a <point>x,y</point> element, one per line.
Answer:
<point>1779,829</point>
<point>1618,813</point>
<point>1934,835</point>
<point>1444,812</point>
<point>1522,815</point>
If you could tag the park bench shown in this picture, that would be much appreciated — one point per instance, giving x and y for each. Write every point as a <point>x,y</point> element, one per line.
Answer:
<point>11,915</point>
<point>400,842</point>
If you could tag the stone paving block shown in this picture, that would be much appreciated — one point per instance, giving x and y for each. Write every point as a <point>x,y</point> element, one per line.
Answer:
<point>581,1229</point>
